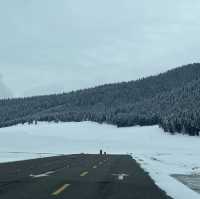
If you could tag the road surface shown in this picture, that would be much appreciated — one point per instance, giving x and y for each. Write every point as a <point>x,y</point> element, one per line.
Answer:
<point>77,177</point>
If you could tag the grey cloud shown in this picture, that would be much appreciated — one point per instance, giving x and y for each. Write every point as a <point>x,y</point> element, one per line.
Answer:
<point>5,92</point>
<point>73,44</point>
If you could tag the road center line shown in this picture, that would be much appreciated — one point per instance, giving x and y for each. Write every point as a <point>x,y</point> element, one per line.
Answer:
<point>84,173</point>
<point>60,190</point>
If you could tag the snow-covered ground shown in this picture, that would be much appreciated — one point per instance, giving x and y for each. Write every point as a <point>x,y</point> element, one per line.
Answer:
<point>158,153</point>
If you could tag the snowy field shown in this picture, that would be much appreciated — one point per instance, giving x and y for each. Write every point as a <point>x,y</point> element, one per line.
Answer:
<point>158,153</point>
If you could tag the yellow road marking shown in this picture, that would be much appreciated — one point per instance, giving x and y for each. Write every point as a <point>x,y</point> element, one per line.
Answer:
<point>84,173</point>
<point>60,190</point>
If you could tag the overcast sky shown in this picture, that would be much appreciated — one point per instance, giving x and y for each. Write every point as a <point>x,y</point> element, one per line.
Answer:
<point>60,45</point>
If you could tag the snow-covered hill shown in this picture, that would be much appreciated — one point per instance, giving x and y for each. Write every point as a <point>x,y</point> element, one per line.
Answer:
<point>158,153</point>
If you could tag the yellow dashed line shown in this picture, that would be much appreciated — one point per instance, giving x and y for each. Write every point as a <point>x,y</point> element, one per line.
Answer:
<point>84,173</point>
<point>60,190</point>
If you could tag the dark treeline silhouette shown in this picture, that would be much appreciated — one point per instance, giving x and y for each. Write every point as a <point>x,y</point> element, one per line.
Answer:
<point>170,100</point>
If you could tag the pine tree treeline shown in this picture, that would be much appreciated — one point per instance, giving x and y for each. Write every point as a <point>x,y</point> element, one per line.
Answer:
<point>170,100</point>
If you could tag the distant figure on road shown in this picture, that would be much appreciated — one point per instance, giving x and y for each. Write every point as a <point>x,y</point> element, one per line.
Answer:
<point>101,152</point>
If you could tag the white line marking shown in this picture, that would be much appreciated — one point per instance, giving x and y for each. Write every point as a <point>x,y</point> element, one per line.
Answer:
<point>42,175</point>
<point>121,176</point>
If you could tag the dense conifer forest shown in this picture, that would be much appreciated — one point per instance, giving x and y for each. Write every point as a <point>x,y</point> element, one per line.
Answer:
<point>170,100</point>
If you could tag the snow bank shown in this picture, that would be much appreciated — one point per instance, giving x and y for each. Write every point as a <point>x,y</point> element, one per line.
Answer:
<point>158,153</point>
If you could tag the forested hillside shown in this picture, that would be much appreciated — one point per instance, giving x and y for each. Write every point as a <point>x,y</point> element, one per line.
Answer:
<point>171,100</point>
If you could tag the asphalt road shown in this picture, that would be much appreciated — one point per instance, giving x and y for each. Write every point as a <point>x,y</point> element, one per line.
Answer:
<point>77,177</point>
